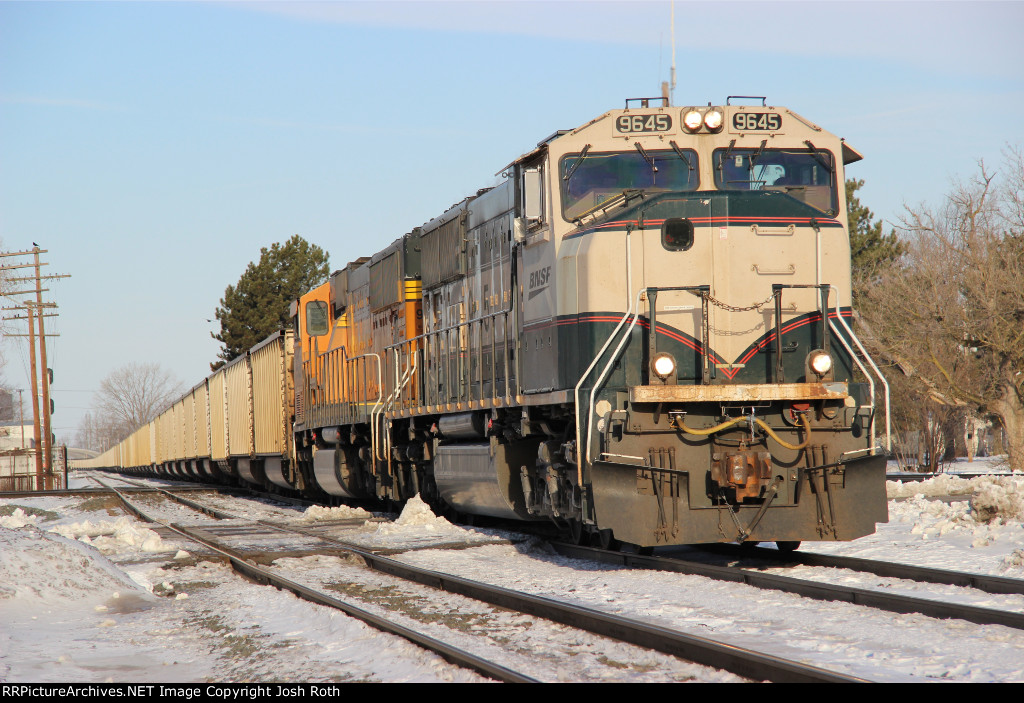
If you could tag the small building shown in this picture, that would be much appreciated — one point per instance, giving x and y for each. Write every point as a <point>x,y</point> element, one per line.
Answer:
<point>18,461</point>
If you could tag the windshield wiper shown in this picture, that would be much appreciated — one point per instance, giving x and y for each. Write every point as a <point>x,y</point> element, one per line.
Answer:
<point>679,152</point>
<point>622,199</point>
<point>757,153</point>
<point>815,152</point>
<point>646,156</point>
<point>576,163</point>
<point>720,165</point>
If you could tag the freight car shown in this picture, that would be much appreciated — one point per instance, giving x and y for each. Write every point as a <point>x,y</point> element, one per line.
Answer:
<point>640,334</point>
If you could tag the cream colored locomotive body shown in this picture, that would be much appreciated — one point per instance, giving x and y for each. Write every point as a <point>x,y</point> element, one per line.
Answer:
<point>641,333</point>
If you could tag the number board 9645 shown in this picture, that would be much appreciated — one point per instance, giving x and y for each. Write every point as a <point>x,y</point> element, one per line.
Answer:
<point>756,122</point>
<point>643,123</point>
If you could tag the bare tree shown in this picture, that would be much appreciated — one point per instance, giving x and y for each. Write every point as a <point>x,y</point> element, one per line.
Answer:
<point>131,396</point>
<point>923,426</point>
<point>100,433</point>
<point>950,313</point>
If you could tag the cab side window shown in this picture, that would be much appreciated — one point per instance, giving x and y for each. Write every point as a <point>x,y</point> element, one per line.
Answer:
<point>316,318</point>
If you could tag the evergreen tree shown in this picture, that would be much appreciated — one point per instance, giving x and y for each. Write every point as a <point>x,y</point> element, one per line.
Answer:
<point>868,246</point>
<point>257,306</point>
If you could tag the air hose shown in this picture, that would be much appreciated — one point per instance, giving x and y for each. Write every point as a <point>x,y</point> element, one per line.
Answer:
<point>681,424</point>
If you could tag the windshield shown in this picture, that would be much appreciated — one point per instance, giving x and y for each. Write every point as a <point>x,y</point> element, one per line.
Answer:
<point>596,177</point>
<point>801,173</point>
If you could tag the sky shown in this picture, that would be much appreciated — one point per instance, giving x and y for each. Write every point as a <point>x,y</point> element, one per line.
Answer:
<point>152,148</point>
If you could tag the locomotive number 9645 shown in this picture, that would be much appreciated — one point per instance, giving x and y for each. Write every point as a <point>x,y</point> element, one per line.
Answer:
<point>757,121</point>
<point>643,123</point>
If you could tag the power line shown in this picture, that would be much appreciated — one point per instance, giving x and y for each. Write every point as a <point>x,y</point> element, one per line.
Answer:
<point>35,314</point>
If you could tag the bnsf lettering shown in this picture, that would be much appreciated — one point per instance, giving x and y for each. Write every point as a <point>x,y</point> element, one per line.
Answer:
<point>539,278</point>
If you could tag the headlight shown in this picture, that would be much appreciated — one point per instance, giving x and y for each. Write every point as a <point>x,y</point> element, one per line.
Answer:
<point>713,120</point>
<point>692,120</point>
<point>820,362</point>
<point>664,365</point>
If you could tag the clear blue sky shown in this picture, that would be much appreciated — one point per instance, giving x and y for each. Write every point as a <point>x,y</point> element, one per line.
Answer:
<point>153,147</point>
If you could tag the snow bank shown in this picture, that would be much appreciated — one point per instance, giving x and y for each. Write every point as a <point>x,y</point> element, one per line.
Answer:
<point>932,518</point>
<point>417,518</point>
<point>111,536</point>
<point>19,518</point>
<point>944,485</point>
<point>43,568</point>
<point>993,498</point>
<point>998,501</point>
<point>993,513</point>
<point>316,513</point>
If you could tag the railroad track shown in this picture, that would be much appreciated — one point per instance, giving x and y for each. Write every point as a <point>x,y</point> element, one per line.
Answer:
<point>999,585</point>
<point>246,566</point>
<point>738,660</point>
<point>817,590</point>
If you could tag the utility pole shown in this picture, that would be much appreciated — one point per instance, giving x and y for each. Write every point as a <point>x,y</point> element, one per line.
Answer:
<point>47,436</point>
<point>36,310</point>
<point>21,415</point>
<point>35,398</point>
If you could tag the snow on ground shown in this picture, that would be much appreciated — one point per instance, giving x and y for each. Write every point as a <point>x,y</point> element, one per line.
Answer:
<point>71,615</point>
<point>320,513</point>
<point>40,568</point>
<point>18,518</point>
<point>870,643</point>
<point>103,606</point>
<point>416,528</point>
<point>982,532</point>
<point>110,536</point>
<point>547,651</point>
<point>418,520</point>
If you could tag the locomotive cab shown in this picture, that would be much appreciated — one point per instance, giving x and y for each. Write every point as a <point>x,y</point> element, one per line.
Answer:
<point>701,264</point>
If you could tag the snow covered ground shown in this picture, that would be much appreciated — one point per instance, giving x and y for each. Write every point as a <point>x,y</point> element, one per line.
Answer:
<point>88,595</point>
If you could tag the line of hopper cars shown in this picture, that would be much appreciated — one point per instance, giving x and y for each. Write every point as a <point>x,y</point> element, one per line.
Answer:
<point>640,334</point>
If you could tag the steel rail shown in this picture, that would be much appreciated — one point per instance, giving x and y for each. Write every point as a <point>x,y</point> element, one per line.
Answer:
<point>915,477</point>
<point>809,589</point>
<point>266,576</point>
<point>999,585</point>
<point>701,650</point>
<point>58,492</point>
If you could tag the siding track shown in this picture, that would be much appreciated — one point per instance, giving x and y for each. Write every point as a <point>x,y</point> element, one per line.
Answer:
<point>814,589</point>
<point>737,660</point>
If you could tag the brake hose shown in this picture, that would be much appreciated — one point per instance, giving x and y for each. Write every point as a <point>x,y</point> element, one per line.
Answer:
<point>681,424</point>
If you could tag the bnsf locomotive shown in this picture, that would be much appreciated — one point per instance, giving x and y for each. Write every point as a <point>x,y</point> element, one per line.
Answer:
<point>641,334</point>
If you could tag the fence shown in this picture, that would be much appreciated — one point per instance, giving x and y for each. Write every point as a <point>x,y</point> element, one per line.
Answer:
<point>18,471</point>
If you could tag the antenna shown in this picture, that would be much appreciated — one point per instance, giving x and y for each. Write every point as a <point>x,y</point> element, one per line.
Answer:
<point>668,88</point>
<point>672,88</point>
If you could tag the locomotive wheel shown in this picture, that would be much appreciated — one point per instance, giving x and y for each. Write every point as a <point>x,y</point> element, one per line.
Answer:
<point>605,539</point>
<point>576,531</point>
<point>788,546</point>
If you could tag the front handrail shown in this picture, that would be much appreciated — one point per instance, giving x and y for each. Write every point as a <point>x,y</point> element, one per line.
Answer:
<point>338,383</point>
<point>576,390</point>
<point>874,367</point>
<point>388,404</point>
<point>702,291</point>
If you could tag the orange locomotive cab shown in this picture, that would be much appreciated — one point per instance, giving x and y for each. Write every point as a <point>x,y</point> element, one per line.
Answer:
<point>358,367</point>
<point>313,322</point>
